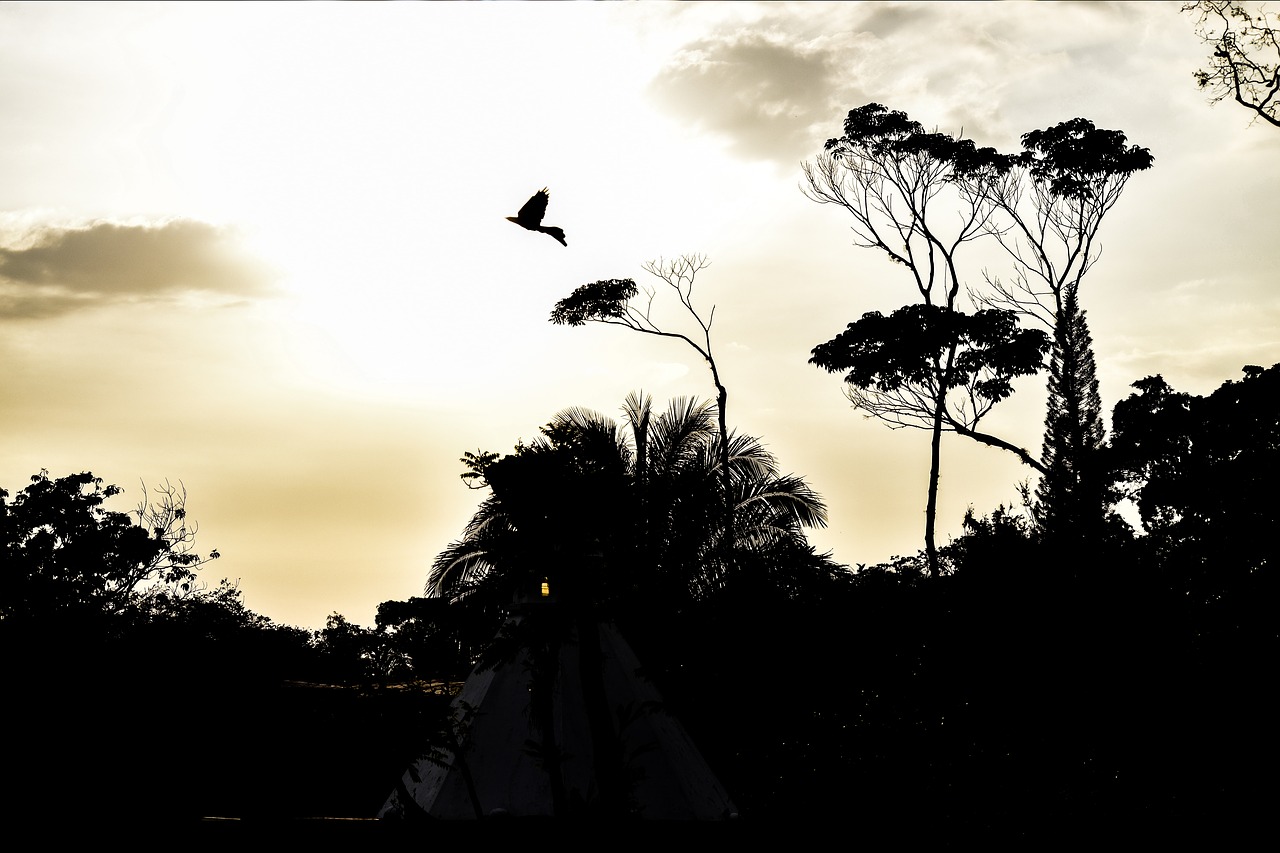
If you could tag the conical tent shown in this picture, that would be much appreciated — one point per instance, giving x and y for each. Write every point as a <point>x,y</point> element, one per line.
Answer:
<point>498,765</point>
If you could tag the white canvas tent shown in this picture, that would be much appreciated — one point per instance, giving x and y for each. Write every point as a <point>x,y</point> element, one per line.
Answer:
<point>493,772</point>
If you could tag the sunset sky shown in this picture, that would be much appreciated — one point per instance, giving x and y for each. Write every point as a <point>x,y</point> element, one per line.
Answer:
<point>261,248</point>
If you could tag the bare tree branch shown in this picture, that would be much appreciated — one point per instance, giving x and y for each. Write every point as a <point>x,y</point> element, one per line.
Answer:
<point>1245,64</point>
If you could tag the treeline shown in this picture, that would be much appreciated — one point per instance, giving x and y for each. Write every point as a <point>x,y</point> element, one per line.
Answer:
<point>1038,683</point>
<point>1043,685</point>
<point>138,694</point>
<point>1031,684</point>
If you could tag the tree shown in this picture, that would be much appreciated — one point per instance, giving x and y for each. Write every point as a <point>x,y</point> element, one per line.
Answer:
<point>615,523</point>
<point>920,198</point>
<point>1070,499</point>
<point>353,654</point>
<point>430,634</point>
<point>1045,207</point>
<point>623,518</point>
<point>614,302</point>
<point>1052,201</point>
<point>1199,470</point>
<point>1245,64</point>
<point>892,365</point>
<point>544,515</point>
<point>65,554</point>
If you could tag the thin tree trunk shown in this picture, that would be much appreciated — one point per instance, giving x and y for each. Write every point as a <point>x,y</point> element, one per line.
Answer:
<point>944,374</point>
<point>722,398</point>
<point>931,510</point>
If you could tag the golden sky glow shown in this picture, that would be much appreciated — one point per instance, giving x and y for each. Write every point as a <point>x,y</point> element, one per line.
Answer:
<point>261,248</point>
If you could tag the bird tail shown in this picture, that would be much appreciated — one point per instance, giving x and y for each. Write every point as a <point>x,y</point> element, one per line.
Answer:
<point>554,231</point>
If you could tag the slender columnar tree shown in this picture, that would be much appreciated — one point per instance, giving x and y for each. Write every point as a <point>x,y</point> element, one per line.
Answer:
<point>1070,499</point>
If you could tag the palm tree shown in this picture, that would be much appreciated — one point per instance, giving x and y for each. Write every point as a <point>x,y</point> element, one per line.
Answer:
<point>626,513</point>
<point>624,523</point>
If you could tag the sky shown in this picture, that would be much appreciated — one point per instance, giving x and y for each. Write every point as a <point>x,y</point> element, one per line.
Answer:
<point>260,249</point>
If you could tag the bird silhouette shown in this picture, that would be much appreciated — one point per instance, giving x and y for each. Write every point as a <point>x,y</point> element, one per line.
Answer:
<point>530,216</point>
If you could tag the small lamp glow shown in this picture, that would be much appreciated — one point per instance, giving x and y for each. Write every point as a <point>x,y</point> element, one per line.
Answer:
<point>546,589</point>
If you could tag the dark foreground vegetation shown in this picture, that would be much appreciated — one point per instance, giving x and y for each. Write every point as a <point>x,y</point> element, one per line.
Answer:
<point>1055,673</point>
<point>1033,690</point>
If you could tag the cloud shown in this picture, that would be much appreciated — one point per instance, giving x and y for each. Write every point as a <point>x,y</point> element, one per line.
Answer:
<point>763,93</point>
<point>54,271</point>
<point>779,85</point>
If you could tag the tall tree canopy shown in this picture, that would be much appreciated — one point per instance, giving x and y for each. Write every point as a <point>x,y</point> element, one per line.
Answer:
<point>896,358</point>
<point>1052,202</point>
<point>921,198</point>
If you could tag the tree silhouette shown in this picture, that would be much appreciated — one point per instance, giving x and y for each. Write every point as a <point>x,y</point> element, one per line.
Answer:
<point>892,362</point>
<point>1052,201</point>
<point>65,554</point>
<point>920,198</point>
<point>629,512</point>
<point>1071,497</point>
<point>1245,63</point>
<point>431,634</point>
<point>1200,471</point>
<point>616,523</point>
<point>618,302</point>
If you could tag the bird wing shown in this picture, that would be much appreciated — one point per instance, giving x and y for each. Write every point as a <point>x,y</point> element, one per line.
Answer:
<point>534,209</point>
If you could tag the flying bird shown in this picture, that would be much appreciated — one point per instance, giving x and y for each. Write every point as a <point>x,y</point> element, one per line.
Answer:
<point>530,216</point>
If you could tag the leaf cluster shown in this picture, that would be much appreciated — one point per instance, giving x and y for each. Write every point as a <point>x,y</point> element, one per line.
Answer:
<point>910,346</point>
<point>879,132</point>
<point>599,300</point>
<point>1072,157</point>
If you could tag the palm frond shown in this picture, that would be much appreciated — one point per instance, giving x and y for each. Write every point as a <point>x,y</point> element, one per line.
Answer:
<point>637,408</point>
<point>583,418</point>
<point>679,434</point>
<point>652,498</point>
<point>749,458</point>
<point>784,496</point>
<point>600,437</point>
<point>460,565</point>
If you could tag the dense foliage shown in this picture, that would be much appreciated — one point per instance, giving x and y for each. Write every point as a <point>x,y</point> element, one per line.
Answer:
<point>628,520</point>
<point>136,693</point>
<point>1030,688</point>
<point>1033,690</point>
